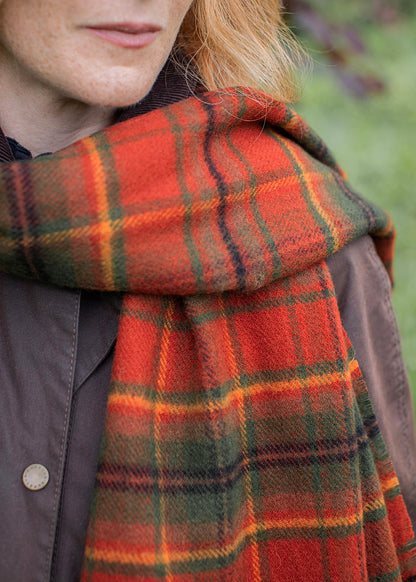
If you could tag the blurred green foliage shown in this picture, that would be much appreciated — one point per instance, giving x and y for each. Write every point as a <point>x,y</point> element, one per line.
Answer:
<point>339,31</point>
<point>356,12</point>
<point>374,139</point>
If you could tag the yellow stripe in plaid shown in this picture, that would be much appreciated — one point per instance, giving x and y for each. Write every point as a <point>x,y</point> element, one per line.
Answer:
<point>150,558</point>
<point>235,373</point>
<point>229,399</point>
<point>161,385</point>
<point>105,231</point>
<point>306,177</point>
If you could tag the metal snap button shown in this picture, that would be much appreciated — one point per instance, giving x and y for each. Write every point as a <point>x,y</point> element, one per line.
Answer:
<point>35,477</point>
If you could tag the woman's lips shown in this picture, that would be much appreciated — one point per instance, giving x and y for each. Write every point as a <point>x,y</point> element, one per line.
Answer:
<point>126,34</point>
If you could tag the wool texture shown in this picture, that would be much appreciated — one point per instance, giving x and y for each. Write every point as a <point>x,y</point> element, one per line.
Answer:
<point>240,441</point>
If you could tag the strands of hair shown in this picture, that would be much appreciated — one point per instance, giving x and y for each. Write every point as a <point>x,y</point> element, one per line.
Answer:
<point>244,43</point>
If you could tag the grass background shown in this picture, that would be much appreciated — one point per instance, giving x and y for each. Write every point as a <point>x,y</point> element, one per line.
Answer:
<point>374,139</point>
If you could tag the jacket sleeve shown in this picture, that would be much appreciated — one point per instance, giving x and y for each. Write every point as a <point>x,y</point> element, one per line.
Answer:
<point>363,293</point>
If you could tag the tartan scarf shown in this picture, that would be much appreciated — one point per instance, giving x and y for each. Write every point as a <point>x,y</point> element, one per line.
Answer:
<point>240,441</point>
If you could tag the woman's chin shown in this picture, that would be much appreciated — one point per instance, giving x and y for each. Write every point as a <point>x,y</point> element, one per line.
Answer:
<point>114,92</point>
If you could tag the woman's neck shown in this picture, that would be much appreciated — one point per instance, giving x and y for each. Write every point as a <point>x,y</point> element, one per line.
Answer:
<point>42,121</point>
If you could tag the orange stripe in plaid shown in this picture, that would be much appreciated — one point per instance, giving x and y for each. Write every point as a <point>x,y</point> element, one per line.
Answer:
<point>389,484</point>
<point>373,505</point>
<point>235,373</point>
<point>26,240</point>
<point>312,193</point>
<point>104,230</point>
<point>161,385</point>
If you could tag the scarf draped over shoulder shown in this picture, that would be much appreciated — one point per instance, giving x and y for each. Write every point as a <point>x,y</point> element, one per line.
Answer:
<point>214,193</point>
<point>240,441</point>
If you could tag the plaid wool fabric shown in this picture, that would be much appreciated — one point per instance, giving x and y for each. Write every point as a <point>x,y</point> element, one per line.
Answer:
<point>240,441</point>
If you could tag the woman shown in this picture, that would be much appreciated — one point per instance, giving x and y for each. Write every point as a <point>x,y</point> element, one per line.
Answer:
<point>239,440</point>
